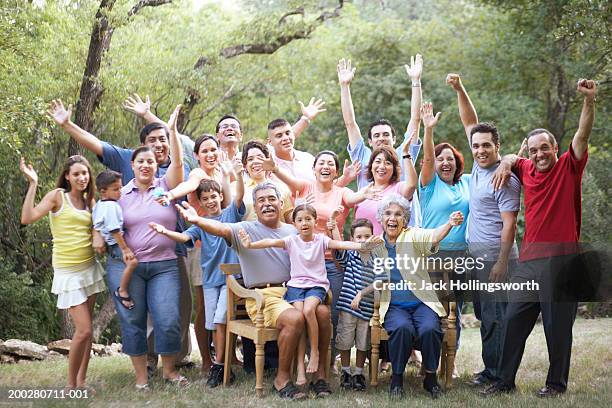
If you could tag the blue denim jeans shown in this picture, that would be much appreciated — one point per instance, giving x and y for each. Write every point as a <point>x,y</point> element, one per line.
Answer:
<point>335,277</point>
<point>154,287</point>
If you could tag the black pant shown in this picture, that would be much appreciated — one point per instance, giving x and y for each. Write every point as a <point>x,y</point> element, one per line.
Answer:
<point>248,353</point>
<point>522,313</point>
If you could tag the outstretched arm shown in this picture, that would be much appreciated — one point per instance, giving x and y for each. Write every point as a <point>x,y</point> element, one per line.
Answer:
<point>370,244</point>
<point>246,242</point>
<point>173,235</point>
<point>580,142</point>
<point>456,218</point>
<point>345,76</point>
<point>467,112</point>
<point>61,116</point>
<point>428,169</point>
<point>50,202</point>
<point>309,113</point>
<point>414,71</point>
<point>211,226</point>
<point>369,192</point>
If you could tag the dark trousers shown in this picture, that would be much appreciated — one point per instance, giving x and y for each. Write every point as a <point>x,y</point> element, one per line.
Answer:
<point>490,309</point>
<point>248,353</point>
<point>522,313</point>
<point>418,328</point>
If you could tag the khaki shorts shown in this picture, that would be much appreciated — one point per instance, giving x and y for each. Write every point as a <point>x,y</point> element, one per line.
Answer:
<point>275,304</point>
<point>352,331</point>
<point>194,266</point>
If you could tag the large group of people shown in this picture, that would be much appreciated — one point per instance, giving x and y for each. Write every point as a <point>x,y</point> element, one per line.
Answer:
<point>171,211</point>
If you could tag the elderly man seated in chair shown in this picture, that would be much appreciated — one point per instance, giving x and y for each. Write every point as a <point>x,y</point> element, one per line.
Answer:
<point>268,270</point>
<point>409,305</point>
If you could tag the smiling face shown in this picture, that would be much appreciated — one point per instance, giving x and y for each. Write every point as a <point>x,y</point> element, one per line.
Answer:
<point>208,156</point>
<point>282,139</point>
<point>305,223</point>
<point>381,135</point>
<point>211,202</point>
<point>112,191</point>
<point>393,221</point>
<point>229,132</point>
<point>267,207</point>
<point>484,151</point>
<point>362,234</point>
<point>253,164</point>
<point>542,152</point>
<point>78,177</point>
<point>382,169</point>
<point>157,141</point>
<point>325,169</point>
<point>446,165</point>
<point>144,167</point>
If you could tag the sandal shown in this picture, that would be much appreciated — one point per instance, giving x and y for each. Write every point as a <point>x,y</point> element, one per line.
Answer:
<point>320,388</point>
<point>178,381</point>
<point>122,299</point>
<point>289,391</point>
<point>142,387</point>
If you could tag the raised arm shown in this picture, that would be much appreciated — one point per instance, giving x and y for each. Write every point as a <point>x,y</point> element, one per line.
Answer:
<point>407,187</point>
<point>174,175</point>
<point>50,202</point>
<point>294,184</point>
<point>467,112</point>
<point>245,239</point>
<point>428,169</point>
<point>414,71</point>
<point>141,108</point>
<point>456,218</point>
<point>580,142</point>
<point>211,226</point>
<point>309,113</point>
<point>349,173</point>
<point>345,76</point>
<point>61,116</point>
<point>239,193</point>
<point>173,235</point>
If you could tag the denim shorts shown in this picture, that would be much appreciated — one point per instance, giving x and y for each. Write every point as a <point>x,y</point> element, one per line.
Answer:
<point>299,294</point>
<point>215,306</point>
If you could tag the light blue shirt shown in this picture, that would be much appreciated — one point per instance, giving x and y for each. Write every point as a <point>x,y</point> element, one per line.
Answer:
<point>438,201</point>
<point>362,154</point>
<point>107,218</point>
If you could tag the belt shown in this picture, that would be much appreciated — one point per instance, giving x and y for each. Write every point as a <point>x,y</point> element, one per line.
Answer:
<point>271,285</point>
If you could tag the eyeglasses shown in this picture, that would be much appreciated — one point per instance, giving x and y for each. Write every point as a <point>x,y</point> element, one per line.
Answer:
<point>229,126</point>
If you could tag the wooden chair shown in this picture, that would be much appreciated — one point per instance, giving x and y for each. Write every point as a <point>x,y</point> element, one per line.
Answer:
<point>239,324</point>
<point>448,324</point>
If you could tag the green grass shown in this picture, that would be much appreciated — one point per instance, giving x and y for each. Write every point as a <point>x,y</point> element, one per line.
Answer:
<point>590,383</point>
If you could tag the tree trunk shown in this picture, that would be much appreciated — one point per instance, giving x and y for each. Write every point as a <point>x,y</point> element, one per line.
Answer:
<point>103,318</point>
<point>67,326</point>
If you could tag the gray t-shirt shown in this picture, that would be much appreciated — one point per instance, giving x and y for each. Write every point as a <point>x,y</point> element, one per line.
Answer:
<point>484,221</point>
<point>262,266</point>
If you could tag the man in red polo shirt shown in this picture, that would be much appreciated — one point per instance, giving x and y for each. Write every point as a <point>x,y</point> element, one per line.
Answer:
<point>552,189</point>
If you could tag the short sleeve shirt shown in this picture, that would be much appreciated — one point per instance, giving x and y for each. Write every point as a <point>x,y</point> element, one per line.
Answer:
<point>107,217</point>
<point>307,261</point>
<point>486,205</point>
<point>301,165</point>
<point>262,266</point>
<point>553,208</point>
<point>214,249</point>
<point>369,208</point>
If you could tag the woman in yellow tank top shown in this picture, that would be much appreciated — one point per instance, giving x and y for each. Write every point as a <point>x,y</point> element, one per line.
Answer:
<point>77,276</point>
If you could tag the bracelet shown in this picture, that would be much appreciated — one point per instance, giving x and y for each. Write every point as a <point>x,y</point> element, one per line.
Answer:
<point>407,156</point>
<point>305,118</point>
<point>416,84</point>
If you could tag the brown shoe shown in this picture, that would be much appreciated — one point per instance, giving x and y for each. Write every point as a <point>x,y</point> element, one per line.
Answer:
<point>549,392</point>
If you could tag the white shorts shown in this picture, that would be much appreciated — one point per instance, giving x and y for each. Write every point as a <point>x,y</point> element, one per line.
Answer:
<point>215,304</point>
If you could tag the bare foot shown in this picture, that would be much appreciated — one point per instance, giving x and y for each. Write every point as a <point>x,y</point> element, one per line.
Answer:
<point>313,362</point>
<point>301,379</point>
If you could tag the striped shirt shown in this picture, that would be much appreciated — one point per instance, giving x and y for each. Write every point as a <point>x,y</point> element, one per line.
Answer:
<point>357,276</point>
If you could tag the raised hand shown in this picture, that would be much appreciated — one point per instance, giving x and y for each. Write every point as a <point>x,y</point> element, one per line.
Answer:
<point>308,199</point>
<point>345,72</point>
<point>411,140</point>
<point>429,120</point>
<point>454,81</point>
<point>28,171</point>
<point>227,168</point>
<point>136,105</point>
<point>456,218</point>
<point>244,237</point>
<point>237,166</point>
<point>373,242</point>
<point>268,164</point>
<point>58,113</point>
<point>587,87</point>
<point>371,193</point>
<point>351,170</point>
<point>160,229</point>
<point>523,148</point>
<point>172,122</point>
<point>187,212</point>
<point>415,69</point>
<point>313,108</point>
<point>337,211</point>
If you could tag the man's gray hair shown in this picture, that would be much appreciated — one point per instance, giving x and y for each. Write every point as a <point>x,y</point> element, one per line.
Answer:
<point>266,186</point>
<point>390,199</point>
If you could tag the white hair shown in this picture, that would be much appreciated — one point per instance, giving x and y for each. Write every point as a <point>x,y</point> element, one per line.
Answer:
<point>390,199</point>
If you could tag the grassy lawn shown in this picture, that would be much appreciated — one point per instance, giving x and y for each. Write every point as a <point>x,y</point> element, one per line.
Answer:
<point>590,383</point>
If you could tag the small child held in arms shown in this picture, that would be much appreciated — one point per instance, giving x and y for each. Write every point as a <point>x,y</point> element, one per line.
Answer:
<point>355,311</point>
<point>308,286</point>
<point>108,220</point>
<point>215,252</point>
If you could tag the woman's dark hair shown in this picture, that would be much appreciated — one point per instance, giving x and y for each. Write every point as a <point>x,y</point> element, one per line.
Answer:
<point>141,149</point>
<point>332,154</point>
<point>202,139</point>
<point>90,191</point>
<point>361,222</point>
<point>391,156</point>
<point>458,159</point>
<point>253,144</point>
<point>304,207</point>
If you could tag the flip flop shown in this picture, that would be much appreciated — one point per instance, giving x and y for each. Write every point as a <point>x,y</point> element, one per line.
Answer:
<point>289,391</point>
<point>123,299</point>
<point>320,388</point>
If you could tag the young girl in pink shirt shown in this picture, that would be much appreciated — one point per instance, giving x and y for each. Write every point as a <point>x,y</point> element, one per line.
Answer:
<point>308,286</point>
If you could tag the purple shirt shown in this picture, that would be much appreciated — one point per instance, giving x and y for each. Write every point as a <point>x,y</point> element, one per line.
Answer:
<point>307,261</point>
<point>139,209</point>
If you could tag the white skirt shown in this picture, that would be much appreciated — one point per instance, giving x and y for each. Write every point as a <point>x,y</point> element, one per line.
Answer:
<point>74,285</point>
